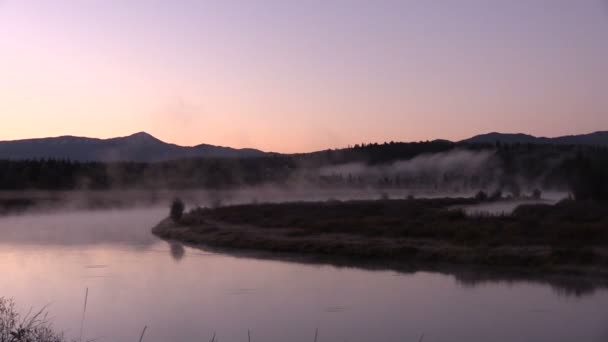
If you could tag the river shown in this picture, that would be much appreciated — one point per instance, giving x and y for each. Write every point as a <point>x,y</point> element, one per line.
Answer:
<point>184,294</point>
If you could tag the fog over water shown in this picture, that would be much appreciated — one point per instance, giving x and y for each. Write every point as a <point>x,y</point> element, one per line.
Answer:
<point>185,294</point>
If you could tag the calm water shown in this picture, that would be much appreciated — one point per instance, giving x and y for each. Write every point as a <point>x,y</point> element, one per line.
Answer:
<point>182,294</point>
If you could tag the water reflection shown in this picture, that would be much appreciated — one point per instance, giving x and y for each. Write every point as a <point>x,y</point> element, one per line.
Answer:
<point>186,294</point>
<point>80,228</point>
<point>465,276</point>
<point>177,250</point>
<point>562,285</point>
<point>131,229</point>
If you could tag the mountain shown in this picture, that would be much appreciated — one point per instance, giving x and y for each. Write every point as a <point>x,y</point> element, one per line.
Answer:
<point>141,147</point>
<point>597,138</point>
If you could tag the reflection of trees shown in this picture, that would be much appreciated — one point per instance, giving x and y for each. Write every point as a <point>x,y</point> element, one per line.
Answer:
<point>177,250</point>
<point>473,276</point>
<point>562,285</point>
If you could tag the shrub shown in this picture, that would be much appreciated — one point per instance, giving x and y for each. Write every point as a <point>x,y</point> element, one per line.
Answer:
<point>481,196</point>
<point>177,210</point>
<point>496,195</point>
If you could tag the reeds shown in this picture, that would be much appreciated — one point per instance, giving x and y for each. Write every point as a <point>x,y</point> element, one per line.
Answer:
<point>34,327</point>
<point>141,338</point>
<point>31,328</point>
<point>214,337</point>
<point>84,311</point>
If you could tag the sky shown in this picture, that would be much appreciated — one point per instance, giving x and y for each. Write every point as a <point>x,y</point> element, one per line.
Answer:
<point>297,76</point>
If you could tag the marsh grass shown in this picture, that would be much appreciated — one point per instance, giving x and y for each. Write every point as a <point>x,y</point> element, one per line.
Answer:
<point>570,236</point>
<point>566,224</point>
<point>143,332</point>
<point>33,327</point>
<point>84,311</point>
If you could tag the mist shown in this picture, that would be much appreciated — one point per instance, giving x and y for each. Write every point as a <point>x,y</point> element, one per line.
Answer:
<point>452,173</point>
<point>457,172</point>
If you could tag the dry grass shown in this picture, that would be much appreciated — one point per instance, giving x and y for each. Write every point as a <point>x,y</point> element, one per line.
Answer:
<point>539,236</point>
<point>33,327</point>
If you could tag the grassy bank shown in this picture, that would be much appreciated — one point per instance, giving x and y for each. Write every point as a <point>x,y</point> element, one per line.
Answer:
<point>568,236</point>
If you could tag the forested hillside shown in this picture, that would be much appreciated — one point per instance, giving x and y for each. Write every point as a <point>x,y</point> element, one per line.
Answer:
<point>513,169</point>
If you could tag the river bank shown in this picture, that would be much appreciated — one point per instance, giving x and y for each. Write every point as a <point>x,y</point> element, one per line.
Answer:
<point>567,237</point>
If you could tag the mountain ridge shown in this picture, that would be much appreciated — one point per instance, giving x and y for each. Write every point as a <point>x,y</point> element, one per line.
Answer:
<point>144,147</point>
<point>599,138</point>
<point>138,147</point>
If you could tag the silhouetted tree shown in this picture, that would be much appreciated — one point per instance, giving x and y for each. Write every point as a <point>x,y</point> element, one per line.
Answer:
<point>177,210</point>
<point>496,195</point>
<point>481,195</point>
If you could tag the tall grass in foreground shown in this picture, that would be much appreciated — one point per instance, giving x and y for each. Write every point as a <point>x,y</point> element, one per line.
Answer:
<point>33,327</point>
<point>84,311</point>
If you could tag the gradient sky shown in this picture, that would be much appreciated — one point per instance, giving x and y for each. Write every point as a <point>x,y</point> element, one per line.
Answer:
<point>302,75</point>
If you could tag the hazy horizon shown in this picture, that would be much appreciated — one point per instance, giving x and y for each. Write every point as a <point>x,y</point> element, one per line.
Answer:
<point>321,149</point>
<point>291,76</point>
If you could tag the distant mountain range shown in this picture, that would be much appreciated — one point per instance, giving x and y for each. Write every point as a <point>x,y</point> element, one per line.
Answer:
<point>597,139</point>
<point>141,147</point>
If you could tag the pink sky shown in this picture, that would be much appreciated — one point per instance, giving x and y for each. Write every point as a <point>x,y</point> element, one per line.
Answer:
<point>293,76</point>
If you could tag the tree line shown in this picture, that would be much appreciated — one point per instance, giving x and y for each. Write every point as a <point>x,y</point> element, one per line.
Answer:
<point>581,170</point>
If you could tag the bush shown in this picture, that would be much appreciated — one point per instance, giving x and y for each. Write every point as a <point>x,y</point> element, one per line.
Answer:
<point>481,196</point>
<point>177,210</point>
<point>496,195</point>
